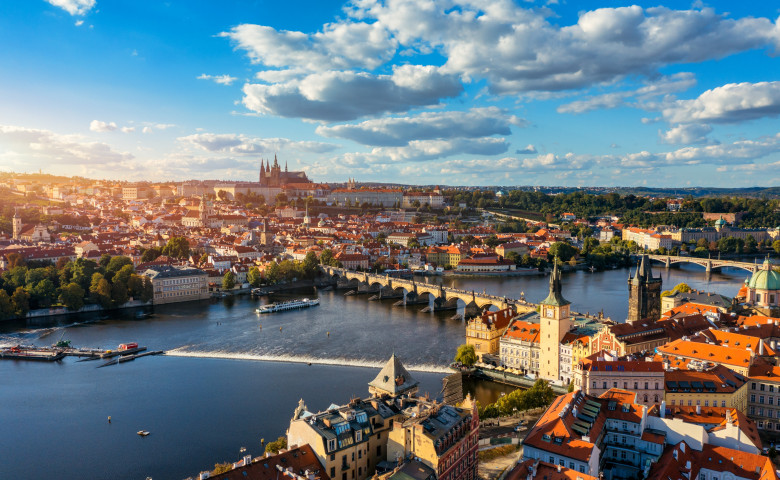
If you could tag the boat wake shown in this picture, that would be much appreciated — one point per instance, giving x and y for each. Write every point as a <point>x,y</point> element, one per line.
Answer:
<point>349,362</point>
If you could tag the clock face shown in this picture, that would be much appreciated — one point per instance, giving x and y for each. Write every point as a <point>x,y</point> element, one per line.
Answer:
<point>548,312</point>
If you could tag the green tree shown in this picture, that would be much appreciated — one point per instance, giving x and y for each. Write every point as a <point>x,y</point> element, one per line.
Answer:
<point>220,468</point>
<point>119,294</point>
<point>273,273</point>
<point>100,290</point>
<point>229,280</point>
<point>326,257</point>
<point>150,255</point>
<point>177,247</point>
<point>254,277</point>
<point>466,355</point>
<point>135,286</point>
<point>72,296</point>
<point>310,265</point>
<point>776,246</point>
<point>274,447</point>
<point>20,300</point>
<point>117,263</point>
<point>43,294</point>
<point>148,292</point>
<point>6,306</point>
<point>562,250</point>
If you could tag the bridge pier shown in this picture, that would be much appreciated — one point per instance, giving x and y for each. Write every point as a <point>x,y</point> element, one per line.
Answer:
<point>668,262</point>
<point>472,310</point>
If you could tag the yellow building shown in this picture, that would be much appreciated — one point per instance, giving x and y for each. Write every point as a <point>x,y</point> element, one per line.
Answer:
<point>580,348</point>
<point>715,386</point>
<point>484,332</point>
<point>443,437</point>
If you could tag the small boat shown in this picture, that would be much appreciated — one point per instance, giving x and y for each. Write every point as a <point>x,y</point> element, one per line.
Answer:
<point>291,305</point>
<point>142,433</point>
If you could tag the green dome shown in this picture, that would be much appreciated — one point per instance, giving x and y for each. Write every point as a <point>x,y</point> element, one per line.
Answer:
<point>765,279</point>
<point>720,222</point>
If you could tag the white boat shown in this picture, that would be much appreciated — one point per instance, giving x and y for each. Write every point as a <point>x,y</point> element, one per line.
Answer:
<point>142,433</point>
<point>291,305</point>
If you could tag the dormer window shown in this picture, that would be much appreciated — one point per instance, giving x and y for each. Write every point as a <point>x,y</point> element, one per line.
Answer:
<point>332,444</point>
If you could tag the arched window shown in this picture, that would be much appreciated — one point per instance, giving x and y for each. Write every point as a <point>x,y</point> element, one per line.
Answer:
<point>645,398</point>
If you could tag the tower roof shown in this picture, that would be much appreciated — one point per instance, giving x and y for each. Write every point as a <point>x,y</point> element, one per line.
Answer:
<point>644,274</point>
<point>394,378</point>
<point>555,298</point>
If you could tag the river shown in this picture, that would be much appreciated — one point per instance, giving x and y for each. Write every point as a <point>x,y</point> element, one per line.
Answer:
<point>233,377</point>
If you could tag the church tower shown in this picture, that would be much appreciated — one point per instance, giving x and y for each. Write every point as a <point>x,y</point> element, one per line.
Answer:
<point>17,225</point>
<point>555,323</point>
<point>203,210</point>
<point>262,173</point>
<point>644,294</point>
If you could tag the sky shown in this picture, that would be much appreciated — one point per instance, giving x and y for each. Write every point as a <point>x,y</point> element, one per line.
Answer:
<point>453,92</point>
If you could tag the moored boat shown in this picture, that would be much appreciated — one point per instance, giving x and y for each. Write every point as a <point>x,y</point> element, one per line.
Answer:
<point>290,305</point>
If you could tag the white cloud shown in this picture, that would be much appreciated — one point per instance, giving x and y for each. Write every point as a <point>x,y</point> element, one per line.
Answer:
<point>147,130</point>
<point>340,45</point>
<point>74,7</point>
<point>99,126</point>
<point>643,96</point>
<point>399,131</point>
<point>151,127</point>
<point>339,96</point>
<point>220,79</point>
<point>54,148</point>
<point>79,23</point>
<point>243,145</point>
<point>730,103</point>
<point>687,134</point>
<point>528,150</point>
<point>518,50</point>
<point>128,129</point>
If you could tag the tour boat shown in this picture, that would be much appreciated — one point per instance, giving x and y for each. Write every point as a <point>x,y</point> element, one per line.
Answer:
<point>291,305</point>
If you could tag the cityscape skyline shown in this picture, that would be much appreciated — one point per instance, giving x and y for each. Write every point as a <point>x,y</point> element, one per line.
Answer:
<point>456,92</point>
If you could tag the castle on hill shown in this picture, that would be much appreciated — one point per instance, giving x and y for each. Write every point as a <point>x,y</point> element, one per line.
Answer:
<point>273,176</point>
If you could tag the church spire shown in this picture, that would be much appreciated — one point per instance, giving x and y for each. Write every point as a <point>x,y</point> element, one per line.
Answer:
<point>285,166</point>
<point>276,162</point>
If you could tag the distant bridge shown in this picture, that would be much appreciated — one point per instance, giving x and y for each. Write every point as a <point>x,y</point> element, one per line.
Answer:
<point>709,264</point>
<point>412,292</point>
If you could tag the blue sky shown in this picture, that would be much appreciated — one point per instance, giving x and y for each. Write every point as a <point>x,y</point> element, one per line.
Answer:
<point>458,92</point>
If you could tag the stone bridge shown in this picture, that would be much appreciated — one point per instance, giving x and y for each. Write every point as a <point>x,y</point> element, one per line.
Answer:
<point>444,298</point>
<point>709,264</point>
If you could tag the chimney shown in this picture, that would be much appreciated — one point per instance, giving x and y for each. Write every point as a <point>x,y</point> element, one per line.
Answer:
<point>247,459</point>
<point>663,408</point>
<point>698,409</point>
<point>760,346</point>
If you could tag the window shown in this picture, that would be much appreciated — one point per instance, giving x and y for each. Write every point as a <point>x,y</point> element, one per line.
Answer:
<point>752,397</point>
<point>760,399</point>
<point>760,424</point>
<point>625,385</point>
<point>636,385</point>
<point>614,384</point>
<point>332,444</point>
<point>698,402</point>
<point>605,385</point>
<point>656,386</point>
<point>752,410</point>
<point>761,386</point>
<point>690,403</point>
<point>706,403</point>
<point>332,472</point>
<point>722,403</point>
<point>594,385</point>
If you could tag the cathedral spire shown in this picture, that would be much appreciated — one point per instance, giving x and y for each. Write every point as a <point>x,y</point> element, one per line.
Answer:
<point>555,297</point>
<point>276,162</point>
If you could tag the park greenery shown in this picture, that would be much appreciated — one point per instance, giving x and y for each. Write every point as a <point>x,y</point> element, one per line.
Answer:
<point>285,271</point>
<point>109,282</point>
<point>539,395</point>
<point>635,210</point>
<point>680,287</point>
<point>274,447</point>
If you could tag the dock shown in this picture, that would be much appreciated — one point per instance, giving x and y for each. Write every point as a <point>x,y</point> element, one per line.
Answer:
<point>55,353</point>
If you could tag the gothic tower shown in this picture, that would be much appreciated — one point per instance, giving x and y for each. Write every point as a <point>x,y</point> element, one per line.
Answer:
<point>262,172</point>
<point>17,225</point>
<point>203,210</point>
<point>555,323</point>
<point>644,293</point>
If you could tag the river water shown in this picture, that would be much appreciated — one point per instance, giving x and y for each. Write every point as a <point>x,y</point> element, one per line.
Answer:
<point>232,377</point>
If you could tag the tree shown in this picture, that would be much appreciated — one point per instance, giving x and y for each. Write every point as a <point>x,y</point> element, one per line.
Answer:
<point>222,195</point>
<point>119,294</point>
<point>326,257</point>
<point>776,246</point>
<point>117,263</point>
<point>274,447</point>
<point>254,277</point>
<point>466,355</point>
<point>100,290</point>
<point>310,265</point>
<point>177,247</point>
<point>135,286</point>
<point>229,280</point>
<point>151,255</point>
<point>220,468</point>
<point>562,250</point>
<point>273,273</point>
<point>20,300</point>
<point>6,306</point>
<point>15,260</point>
<point>148,292</point>
<point>72,296</point>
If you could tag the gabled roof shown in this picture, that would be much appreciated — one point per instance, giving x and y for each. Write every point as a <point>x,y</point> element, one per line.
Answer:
<point>394,378</point>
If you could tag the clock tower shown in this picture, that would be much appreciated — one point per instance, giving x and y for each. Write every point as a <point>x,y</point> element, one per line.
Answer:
<point>555,323</point>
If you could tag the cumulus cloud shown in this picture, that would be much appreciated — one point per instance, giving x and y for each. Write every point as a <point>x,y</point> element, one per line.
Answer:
<point>340,96</point>
<point>528,150</point>
<point>692,133</point>
<point>398,131</point>
<point>220,79</point>
<point>243,145</point>
<point>643,97</point>
<point>340,45</point>
<point>730,103</point>
<point>74,7</point>
<point>57,148</point>
<point>517,50</point>
<point>151,127</point>
<point>99,126</point>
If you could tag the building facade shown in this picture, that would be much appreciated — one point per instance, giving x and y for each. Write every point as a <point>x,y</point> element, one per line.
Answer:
<point>177,284</point>
<point>644,294</point>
